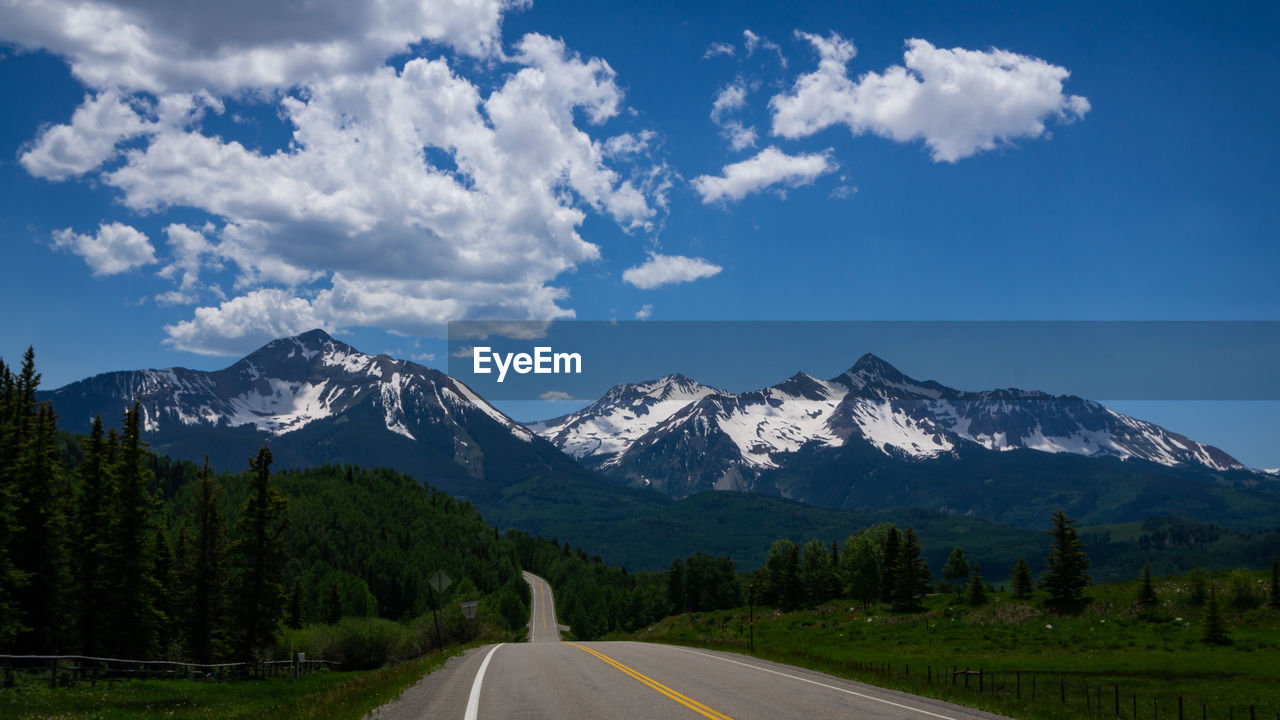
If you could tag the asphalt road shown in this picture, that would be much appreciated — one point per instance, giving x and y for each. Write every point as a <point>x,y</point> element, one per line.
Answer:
<point>546,678</point>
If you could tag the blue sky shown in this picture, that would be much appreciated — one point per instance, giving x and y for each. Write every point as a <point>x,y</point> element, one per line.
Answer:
<point>179,189</point>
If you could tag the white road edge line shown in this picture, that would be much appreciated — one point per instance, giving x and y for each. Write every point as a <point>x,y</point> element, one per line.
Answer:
<point>814,682</point>
<point>473,702</point>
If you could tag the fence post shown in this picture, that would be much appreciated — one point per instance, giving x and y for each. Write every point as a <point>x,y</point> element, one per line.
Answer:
<point>1179,707</point>
<point>980,681</point>
<point>1062,691</point>
<point>53,673</point>
<point>1033,687</point>
<point>1018,675</point>
<point>1252,714</point>
<point>1117,689</point>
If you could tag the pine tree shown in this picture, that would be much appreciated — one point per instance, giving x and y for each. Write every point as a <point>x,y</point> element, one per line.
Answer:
<point>13,580</point>
<point>889,564</point>
<point>44,502</point>
<point>776,573</point>
<point>912,576</point>
<point>956,569</point>
<point>1147,592</point>
<point>1275,584</point>
<point>296,614</point>
<point>133,586</point>
<point>206,573</point>
<point>261,554</point>
<point>1022,583</point>
<point>1215,628</point>
<point>977,591</point>
<point>90,541</point>
<point>791,591</point>
<point>833,573</point>
<point>1066,567</point>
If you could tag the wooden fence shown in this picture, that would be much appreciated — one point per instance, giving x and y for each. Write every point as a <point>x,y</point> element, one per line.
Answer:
<point>66,670</point>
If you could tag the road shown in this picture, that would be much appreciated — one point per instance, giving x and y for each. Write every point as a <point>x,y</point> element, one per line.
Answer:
<point>547,678</point>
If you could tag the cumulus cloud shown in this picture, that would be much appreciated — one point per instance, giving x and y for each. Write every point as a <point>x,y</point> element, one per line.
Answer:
<point>114,249</point>
<point>753,41</point>
<point>661,270</point>
<point>89,140</point>
<point>732,98</point>
<point>163,47</point>
<point>769,167</point>
<point>357,221</point>
<point>246,321</point>
<point>959,102</point>
<point>555,396</point>
<point>645,312</point>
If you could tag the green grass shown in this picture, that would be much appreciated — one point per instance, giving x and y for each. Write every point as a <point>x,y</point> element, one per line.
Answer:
<point>1155,656</point>
<point>323,696</point>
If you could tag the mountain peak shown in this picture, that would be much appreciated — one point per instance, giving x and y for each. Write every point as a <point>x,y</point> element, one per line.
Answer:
<point>872,363</point>
<point>313,338</point>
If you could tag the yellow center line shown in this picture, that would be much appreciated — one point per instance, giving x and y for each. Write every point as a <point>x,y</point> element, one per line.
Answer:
<point>682,699</point>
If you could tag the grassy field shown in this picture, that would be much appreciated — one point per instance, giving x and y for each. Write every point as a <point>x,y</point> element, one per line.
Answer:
<point>1110,653</point>
<point>323,696</point>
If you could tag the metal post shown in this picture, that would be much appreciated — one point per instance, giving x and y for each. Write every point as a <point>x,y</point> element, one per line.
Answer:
<point>751,602</point>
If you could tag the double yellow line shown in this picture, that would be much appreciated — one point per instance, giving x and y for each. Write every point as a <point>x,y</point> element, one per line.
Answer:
<point>682,699</point>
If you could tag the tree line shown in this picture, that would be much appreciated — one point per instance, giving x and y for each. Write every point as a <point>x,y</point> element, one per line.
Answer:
<point>86,563</point>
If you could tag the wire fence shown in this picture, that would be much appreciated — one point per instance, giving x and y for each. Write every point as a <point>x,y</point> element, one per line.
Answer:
<point>68,670</point>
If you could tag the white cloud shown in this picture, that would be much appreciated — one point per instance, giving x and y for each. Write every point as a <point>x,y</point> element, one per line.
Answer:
<point>422,357</point>
<point>661,270</point>
<point>115,248</point>
<point>160,46</point>
<point>246,321</point>
<point>718,48</point>
<point>645,312</point>
<point>959,102</point>
<point>730,99</point>
<point>769,167</point>
<point>353,223</point>
<point>555,396</point>
<point>463,351</point>
<point>89,140</point>
<point>752,41</point>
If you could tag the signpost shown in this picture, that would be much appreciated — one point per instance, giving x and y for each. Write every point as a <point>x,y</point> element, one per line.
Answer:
<point>469,612</point>
<point>439,582</point>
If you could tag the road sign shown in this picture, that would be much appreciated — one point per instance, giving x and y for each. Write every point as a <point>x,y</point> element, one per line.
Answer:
<point>469,609</point>
<point>440,581</point>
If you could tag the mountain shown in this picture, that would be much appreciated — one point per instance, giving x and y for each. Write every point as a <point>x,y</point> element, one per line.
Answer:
<point>316,400</point>
<point>873,437</point>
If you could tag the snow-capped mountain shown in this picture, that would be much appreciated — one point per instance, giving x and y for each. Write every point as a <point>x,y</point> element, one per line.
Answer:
<point>317,400</point>
<point>281,388</point>
<point>607,427</point>
<point>721,440</point>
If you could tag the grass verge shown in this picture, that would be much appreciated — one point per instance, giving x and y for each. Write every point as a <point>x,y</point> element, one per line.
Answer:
<point>323,696</point>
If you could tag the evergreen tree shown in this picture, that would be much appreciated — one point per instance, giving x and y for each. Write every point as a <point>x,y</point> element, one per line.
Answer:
<point>676,595</point>
<point>90,541</point>
<point>956,569</point>
<point>133,586</point>
<point>260,553</point>
<point>912,574</point>
<point>776,573</point>
<point>860,566</point>
<point>1275,583</point>
<point>295,616</point>
<point>1022,583</point>
<point>44,497</point>
<point>13,580</point>
<point>1215,628</point>
<point>206,573</point>
<point>815,573</point>
<point>792,591</point>
<point>1066,567</point>
<point>836,583</point>
<point>1242,597</point>
<point>889,564</point>
<point>977,591</point>
<point>1147,591</point>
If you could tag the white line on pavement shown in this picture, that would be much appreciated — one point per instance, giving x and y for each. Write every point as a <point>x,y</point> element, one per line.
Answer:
<point>814,682</point>
<point>473,703</point>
